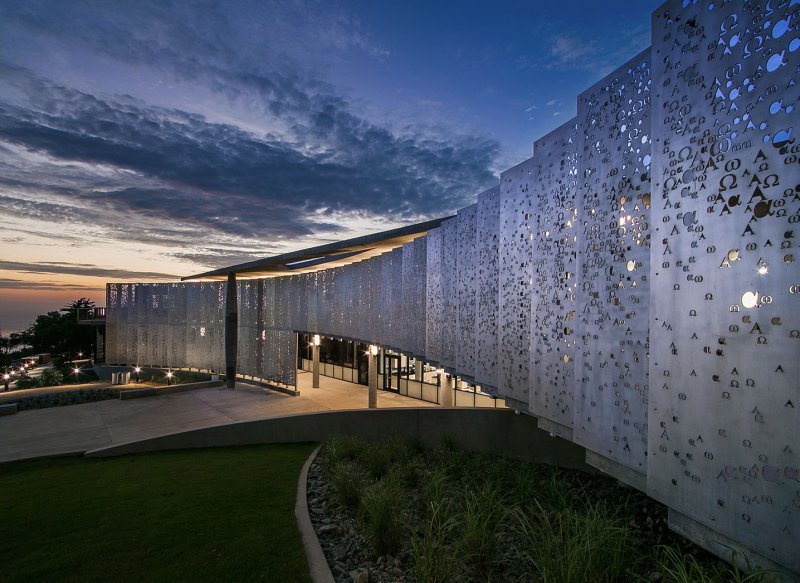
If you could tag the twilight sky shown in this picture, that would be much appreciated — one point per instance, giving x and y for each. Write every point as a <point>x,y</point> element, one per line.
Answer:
<point>142,141</point>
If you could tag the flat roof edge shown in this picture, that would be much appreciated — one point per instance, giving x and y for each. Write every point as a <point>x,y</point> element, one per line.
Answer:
<point>321,249</point>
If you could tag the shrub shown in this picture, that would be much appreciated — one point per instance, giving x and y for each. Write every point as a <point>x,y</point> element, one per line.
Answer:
<point>51,377</point>
<point>348,481</point>
<point>571,546</point>
<point>27,382</point>
<point>380,515</point>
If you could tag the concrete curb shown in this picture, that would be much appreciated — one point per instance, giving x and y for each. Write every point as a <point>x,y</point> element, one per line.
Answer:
<point>317,564</point>
<point>8,409</point>
<point>126,394</point>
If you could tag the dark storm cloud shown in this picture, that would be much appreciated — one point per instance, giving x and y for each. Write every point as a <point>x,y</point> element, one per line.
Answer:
<point>63,268</point>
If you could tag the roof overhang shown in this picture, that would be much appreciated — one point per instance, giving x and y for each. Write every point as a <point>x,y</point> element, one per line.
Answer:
<point>323,256</point>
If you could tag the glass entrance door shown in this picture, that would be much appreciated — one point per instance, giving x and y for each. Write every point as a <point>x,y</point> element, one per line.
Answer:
<point>391,372</point>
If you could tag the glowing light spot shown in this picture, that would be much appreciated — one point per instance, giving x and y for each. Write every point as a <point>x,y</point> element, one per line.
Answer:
<point>631,265</point>
<point>750,299</point>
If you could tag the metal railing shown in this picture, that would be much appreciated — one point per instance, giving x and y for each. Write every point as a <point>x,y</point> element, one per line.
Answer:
<point>91,314</point>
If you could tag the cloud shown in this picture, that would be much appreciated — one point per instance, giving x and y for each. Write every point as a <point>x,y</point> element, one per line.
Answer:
<point>63,268</point>
<point>18,284</point>
<point>209,185</point>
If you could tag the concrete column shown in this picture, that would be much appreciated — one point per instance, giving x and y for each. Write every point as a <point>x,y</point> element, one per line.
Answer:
<point>418,370</point>
<point>231,332</point>
<point>446,390</point>
<point>314,366</point>
<point>373,380</point>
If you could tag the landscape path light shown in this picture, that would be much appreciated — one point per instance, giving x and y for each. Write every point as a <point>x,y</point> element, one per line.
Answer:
<point>137,370</point>
<point>169,378</point>
<point>6,380</point>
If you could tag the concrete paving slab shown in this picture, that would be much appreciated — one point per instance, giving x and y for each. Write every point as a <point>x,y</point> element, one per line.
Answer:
<point>63,430</point>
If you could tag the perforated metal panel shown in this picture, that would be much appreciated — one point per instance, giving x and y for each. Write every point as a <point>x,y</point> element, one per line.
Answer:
<point>514,314</point>
<point>170,325</point>
<point>726,288</point>
<point>434,297</point>
<point>488,252</point>
<point>554,270</point>
<point>414,283</point>
<point>613,265</point>
<point>466,284</point>
<point>449,265</point>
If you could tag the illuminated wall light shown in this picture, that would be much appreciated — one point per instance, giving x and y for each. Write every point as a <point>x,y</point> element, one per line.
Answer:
<point>317,340</point>
<point>373,350</point>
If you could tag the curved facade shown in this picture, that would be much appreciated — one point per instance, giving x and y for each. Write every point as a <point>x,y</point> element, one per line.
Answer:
<point>634,284</point>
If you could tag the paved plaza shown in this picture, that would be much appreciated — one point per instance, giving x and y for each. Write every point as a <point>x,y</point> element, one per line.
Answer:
<point>78,428</point>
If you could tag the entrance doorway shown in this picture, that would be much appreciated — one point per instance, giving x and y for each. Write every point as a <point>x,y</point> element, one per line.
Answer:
<point>391,372</point>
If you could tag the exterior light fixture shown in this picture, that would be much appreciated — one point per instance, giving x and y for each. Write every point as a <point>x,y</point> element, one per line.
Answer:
<point>373,350</point>
<point>76,371</point>
<point>80,355</point>
<point>169,378</point>
<point>317,340</point>
<point>137,370</point>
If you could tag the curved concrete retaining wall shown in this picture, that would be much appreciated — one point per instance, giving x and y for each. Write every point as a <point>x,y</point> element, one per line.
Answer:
<point>495,431</point>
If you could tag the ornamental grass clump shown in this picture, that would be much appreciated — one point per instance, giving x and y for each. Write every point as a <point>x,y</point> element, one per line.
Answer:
<point>481,515</point>
<point>573,546</point>
<point>433,549</point>
<point>344,448</point>
<point>680,567</point>
<point>348,481</point>
<point>380,514</point>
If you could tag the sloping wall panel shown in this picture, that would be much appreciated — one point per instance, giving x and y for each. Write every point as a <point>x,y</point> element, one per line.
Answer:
<point>449,267</point>
<point>613,265</point>
<point>726,288</point>
<point>514,313</point>
<point>553,269</point>
<point>488,251</point>
<point>434,301</point>
<point>466,284</point>
<point>414,283</point>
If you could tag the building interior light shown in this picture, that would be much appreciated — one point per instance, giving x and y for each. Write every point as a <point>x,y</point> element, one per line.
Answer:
<point>316,340</point>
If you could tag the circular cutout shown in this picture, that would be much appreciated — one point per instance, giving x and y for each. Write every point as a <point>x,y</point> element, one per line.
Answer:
<point>750,299</point>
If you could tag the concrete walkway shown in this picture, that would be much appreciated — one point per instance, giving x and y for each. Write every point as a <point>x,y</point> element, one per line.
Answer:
<point>78,428</point>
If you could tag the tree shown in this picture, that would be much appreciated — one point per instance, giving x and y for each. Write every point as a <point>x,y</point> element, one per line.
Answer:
<point>58,331</point>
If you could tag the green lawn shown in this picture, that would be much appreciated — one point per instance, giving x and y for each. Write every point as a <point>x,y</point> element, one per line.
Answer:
<point>222,514</point>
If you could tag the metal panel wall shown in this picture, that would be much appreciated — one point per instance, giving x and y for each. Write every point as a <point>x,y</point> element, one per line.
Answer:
<point>434,302</point>
<point>391,298</point>
<point>613,265</point>
<point>726,290</point>
<point>466,284</point>
<point>553,268</point>
<point>449,300</point>
<point>514,314</point>
<point>170,324</point>
<point>488,251</point>
<point>414,283</point>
